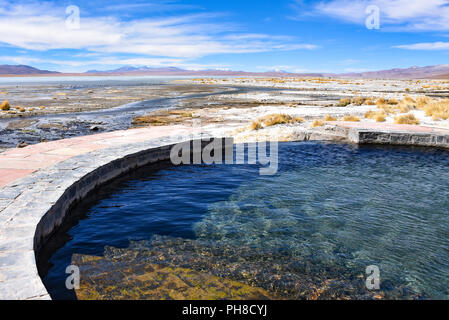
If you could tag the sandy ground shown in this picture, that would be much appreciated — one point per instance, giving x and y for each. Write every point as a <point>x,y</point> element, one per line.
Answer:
<point>31,100</point>
<point>311,99</point>
<point>230,114</point>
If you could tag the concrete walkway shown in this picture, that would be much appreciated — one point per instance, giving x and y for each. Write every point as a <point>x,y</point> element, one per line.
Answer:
<point>18,163</point>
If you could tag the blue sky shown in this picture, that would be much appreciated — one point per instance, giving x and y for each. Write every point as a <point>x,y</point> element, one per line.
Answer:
<point>291,35</point>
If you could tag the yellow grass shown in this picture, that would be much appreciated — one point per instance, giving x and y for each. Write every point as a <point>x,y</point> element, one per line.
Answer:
<point>20,109</point>
<point>317,123</point>
<point>393,101</point>
<point>330,118</point>
<point>388,109</point>
<point>344,102</point>
<point>279,118</point>
<point>438,110</point>
<point>5,106</point>
<point>379,116</point>
<point>381,101</point>
<point>358,101</point>
<point>403,108</point>
<point>351,118</point>
<point>255,125</point>
<point>406,119</point>
<point>370,102</point>
<point>421,102</point>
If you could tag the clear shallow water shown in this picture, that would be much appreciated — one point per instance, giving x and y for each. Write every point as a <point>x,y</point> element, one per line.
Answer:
<point>331,211</point>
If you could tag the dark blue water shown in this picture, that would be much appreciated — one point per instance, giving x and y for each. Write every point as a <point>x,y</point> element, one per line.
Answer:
<point>329,204</point>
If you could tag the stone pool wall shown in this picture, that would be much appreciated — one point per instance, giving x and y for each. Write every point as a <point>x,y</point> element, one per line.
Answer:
<point>38,184</point>
<point>33,207</point>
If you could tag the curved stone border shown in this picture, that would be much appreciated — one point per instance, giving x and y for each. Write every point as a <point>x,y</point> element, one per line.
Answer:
<point>32,208</point>
<point>42,200</point>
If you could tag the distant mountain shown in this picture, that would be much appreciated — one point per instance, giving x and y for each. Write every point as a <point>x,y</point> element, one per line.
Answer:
<point>140,70</point>
<point>22,70</point>
<point>438,71</point>
<point>429,72</point>
<point>173,71</point>
<point>434,72</point>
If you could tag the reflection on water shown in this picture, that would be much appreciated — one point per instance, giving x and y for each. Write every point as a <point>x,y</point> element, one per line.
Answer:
<point>307,233</point>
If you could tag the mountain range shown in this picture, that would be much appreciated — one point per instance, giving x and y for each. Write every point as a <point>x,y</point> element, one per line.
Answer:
<point>429,72</point>
<point>22,70</point>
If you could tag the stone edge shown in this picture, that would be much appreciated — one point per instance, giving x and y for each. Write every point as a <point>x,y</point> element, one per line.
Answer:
<point>32,208</point>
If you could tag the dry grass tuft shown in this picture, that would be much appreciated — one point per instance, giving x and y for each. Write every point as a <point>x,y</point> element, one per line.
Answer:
<point>279,118</point>
<point>330,118</point>
<point>421,102</point>
<point>255,125</point>
<point>358,101</point>
<point>5,106</point>
<point>344,102</point>
<point>403,108</point>
<point>317,123</point>
<point>370,102</point>
<point>392,101</point>
<point>163,118</point>
<point>438,110</point>
<point>20,109</point>
<point>381,101</point>
<point>388,109</point>
<point>274,119</point>
<point>351,118</point>
<point>406,119</point>
<point>379,116</point>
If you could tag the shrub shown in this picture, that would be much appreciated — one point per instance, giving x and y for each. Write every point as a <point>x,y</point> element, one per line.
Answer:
<point>406,119</point>
<point>20,109</point>
<point>330,118</point>
<point>5,106</point>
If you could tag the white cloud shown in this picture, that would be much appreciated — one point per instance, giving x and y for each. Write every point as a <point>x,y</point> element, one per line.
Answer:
<point>425,46</point>
<point>35,27</point>
<point>399,15</point>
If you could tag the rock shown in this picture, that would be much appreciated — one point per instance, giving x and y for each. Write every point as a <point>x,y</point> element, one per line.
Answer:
<point>22,144</point>
<point>94,128</point>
